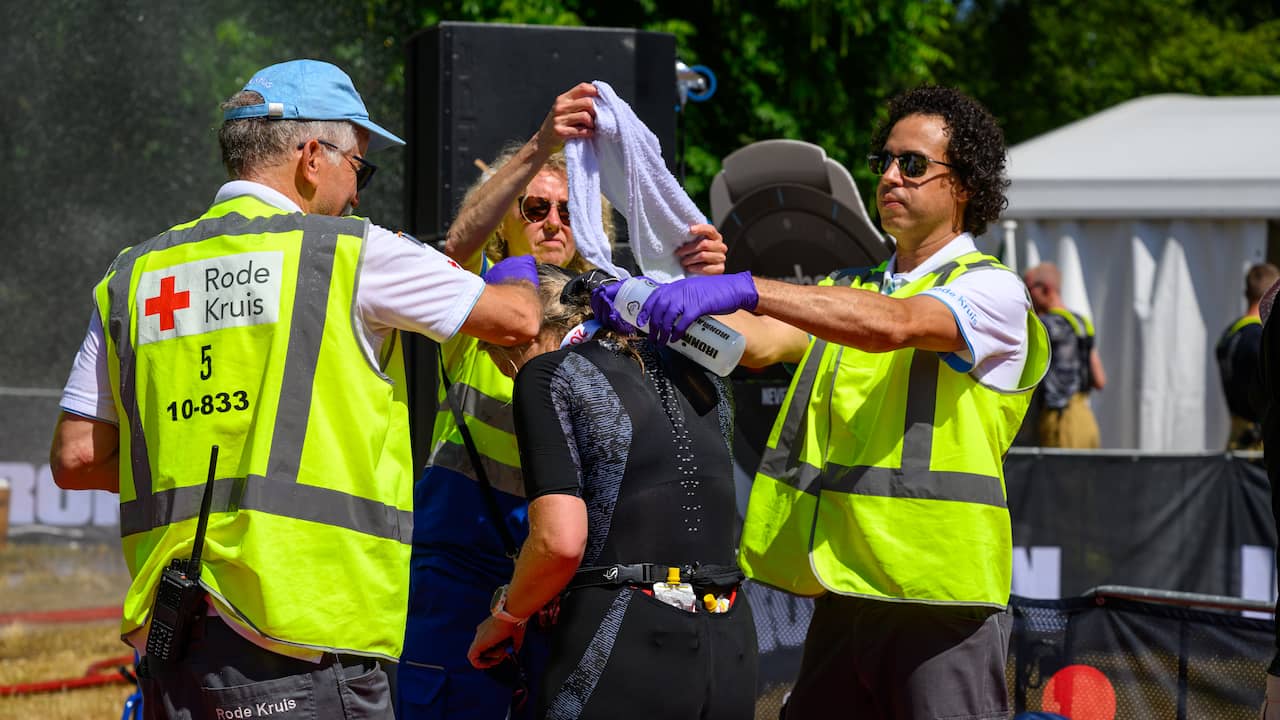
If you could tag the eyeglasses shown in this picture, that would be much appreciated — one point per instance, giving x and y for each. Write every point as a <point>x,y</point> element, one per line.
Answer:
<point>910,164</point>
<point>364,168</point>
<point>535,209</point>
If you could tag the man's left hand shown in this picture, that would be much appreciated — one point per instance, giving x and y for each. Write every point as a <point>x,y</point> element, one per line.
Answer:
<point>672,308</point>
<point>705,253</point>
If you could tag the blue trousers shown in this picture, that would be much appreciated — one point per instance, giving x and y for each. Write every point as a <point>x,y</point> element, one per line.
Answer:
<point>458,559</point>
<point>435,679</point>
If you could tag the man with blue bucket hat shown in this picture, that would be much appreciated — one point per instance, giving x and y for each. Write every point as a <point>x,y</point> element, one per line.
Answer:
<point>269,328</point>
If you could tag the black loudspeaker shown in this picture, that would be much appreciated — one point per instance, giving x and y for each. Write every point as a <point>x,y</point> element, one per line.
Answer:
<point>789,212</point>
<point>473,88</point>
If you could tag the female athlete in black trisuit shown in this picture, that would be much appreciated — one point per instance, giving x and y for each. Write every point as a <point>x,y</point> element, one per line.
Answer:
<point>626,456</point>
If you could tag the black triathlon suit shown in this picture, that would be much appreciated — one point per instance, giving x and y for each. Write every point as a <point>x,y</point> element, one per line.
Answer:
<point>648,451</point>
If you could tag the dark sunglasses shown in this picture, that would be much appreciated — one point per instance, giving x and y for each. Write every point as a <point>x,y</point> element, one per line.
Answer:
<point>364,168</point>
<point>535,209</point>
<point>910,164</point>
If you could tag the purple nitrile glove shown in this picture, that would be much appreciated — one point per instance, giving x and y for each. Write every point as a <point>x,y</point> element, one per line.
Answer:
<point>602,307</point>
<point>672,308</point>
<point>523,267</point>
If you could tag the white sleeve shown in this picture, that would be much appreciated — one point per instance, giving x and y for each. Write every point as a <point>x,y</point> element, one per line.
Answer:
<point>990,306</point>
<point>88,389</point>
<point>407,286</point>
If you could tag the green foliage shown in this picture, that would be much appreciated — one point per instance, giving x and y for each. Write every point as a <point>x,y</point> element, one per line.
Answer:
<point>818,71</point>
<point>804,70</point>
<point>114,106</point>
<point>1040,64</point>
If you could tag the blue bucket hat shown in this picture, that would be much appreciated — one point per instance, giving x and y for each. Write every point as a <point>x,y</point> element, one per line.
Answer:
<point>310,90</point>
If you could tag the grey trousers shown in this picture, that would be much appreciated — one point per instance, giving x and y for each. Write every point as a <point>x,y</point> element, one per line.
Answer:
<point>881,660</point>
<point>225,677</point>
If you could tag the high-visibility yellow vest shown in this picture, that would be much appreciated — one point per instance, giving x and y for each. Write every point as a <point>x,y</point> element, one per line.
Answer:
<point>1241,324</point>
<point>1082,327</point>
<point>239,329</point>
<point>1237,400</point>
<point>883,476</point>
<point>483,394</point>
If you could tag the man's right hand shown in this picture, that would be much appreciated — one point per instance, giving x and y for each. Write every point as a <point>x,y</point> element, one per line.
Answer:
<point>573,115</point>
<point>673,307</point>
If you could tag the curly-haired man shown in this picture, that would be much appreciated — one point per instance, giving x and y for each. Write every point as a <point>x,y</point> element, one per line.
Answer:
<point>882,492</point>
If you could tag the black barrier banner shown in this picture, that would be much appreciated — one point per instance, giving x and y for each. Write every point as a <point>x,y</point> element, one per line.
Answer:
<point>1192,523</point>
<point>1131,660</point>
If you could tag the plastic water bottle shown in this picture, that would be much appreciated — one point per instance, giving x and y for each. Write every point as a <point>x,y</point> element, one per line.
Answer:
<point>675,593</point>
<point>708,342</point>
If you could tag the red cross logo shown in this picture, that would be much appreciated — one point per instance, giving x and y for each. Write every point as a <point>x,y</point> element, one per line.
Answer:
<point>166,302</point>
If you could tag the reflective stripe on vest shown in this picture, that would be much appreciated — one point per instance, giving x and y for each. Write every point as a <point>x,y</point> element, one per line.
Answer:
<point>285,497</point>
<point>454,456</point>
<point>483,394</point>
<point>913,480</point>
<point>806,497</point>
<point>315,471</point>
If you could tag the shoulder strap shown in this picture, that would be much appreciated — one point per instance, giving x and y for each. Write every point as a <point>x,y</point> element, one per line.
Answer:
<point>1085,323</point>
<point>1243,323</point>
<point>865,275</point>
<point>1075,321</point>
<point>963,264</point>
<point>486,489</point>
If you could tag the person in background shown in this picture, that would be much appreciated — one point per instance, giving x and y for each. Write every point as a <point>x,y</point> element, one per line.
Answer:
<point>518,209</point>
<point>881,491</point>
<point>1075,370</point>
<point>269,327</point>
<point>629,473</point>
<point>1237,352</point>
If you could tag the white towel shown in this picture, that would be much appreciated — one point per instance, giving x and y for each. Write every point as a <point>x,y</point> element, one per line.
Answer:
<point>624,160</point>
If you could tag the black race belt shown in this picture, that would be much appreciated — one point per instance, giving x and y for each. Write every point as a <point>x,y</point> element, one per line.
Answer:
<point>649,573</point>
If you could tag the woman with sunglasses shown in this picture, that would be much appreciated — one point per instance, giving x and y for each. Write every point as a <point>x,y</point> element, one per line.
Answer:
<point>462,530</point>
<point>626,452</point>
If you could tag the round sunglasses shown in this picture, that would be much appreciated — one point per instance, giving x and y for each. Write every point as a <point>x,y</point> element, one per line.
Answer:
<point>910,164</point>
<point>535,209</point>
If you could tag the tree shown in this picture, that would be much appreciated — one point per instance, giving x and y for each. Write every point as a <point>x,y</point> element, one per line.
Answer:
<point>1041,64</point>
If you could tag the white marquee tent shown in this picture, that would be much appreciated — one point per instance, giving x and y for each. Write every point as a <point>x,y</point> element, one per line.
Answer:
<point>1153,210</point>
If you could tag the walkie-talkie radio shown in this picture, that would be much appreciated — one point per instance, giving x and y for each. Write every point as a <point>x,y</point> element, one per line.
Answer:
<point>180,599</point>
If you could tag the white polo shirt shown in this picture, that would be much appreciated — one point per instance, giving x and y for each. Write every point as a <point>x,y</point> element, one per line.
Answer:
<point>402,285</point>
<point>990,306</point>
